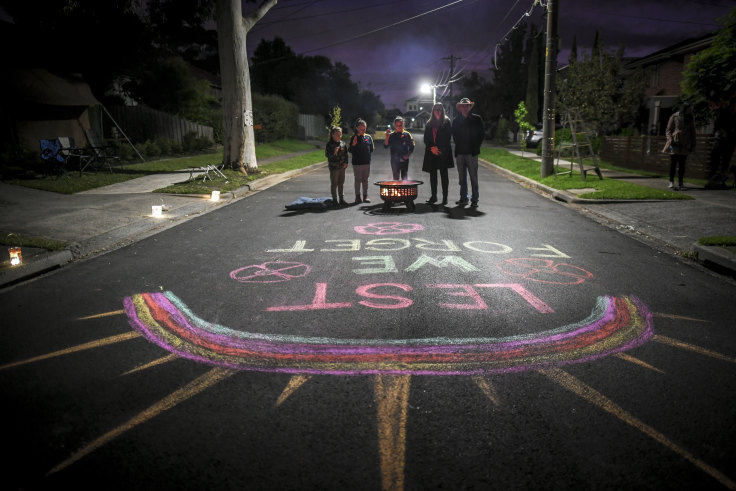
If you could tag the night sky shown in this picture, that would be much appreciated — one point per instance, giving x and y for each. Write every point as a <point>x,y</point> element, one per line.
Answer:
<point>394,57</point>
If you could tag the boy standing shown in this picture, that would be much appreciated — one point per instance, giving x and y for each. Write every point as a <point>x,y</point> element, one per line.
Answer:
<point>401,144</point>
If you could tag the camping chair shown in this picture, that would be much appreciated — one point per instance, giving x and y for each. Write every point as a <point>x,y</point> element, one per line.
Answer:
<point>69,151</point>
<point>100,152</point>
<point>50,152</point>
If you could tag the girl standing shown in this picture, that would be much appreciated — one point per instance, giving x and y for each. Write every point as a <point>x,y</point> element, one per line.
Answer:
<point>361,146</point>
<point>336,152</point>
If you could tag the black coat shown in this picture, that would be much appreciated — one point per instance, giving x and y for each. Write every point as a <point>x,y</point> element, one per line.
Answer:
<point>444,135</point>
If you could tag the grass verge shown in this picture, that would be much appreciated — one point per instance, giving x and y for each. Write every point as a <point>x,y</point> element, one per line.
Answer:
<point>603,189</point>
<point>727,242</point>
<point>11,239</point>
<point>72,182</point>
<point>237,180</point>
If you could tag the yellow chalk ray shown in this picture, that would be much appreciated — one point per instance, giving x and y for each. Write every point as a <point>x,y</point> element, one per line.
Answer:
<point>485,385</point>
<point>294,383</point>
<point>80,347</point>
<point>392,400</point>
<point>104,314</point>
<point>193,388</point>
<point>637,361</point>
<point>677,317</point>
<point>154,363</point>
<point>692,347</point>
<point>594,397</point>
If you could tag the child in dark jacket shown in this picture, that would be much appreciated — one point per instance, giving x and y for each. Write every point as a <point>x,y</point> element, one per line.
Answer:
<point>336,152</point>
<point>361,146</point>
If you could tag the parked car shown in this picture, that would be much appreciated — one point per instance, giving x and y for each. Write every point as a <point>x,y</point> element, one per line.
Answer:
<point>533,137</point>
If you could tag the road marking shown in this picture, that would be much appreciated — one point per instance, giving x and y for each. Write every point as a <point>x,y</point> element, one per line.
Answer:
<point>81,347</point>
<point>193,388</point>
<point>697,349</point>
<point>637,361</point>
<point>680,317</point>
<point>104,314</point>
<point>594,397</point>
<point>487,387</point>
<point>154,363</point>
<point>294,383</point>
<point>392,400</point>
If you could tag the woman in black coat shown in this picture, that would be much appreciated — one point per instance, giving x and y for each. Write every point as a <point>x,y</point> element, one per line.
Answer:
<point>438,151</point>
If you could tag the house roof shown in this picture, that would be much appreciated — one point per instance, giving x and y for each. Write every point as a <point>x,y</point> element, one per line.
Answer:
<point>40,86</point>
<point>685,47</point>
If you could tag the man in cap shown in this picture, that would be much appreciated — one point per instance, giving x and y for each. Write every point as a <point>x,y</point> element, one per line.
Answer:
<point>468,133</point>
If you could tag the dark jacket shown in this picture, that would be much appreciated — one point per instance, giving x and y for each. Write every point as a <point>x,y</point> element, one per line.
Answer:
<point>680,136</point>
<point>362,150</point>
<point>400,143</point>
<point>339,161</point>
<point>442,142</point>
<point>468,134</point>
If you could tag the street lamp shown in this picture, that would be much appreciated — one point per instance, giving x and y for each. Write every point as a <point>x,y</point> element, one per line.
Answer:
<point>427,88</point>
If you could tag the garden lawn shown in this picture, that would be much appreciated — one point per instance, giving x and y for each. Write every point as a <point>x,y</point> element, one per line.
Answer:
<point>237,179</point>
<point>72,182</point>
<point>604,189</point>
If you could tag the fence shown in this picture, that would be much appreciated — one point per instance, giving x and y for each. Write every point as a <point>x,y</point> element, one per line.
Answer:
<point>645,153</point>
<point>312,126</point>
<point>142,123</point>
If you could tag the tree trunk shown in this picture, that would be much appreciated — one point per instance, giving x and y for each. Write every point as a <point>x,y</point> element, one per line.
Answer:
<point>239,149</point>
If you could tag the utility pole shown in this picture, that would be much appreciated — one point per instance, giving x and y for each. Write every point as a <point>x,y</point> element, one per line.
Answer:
<point>452,59</point>
<point>550,73</point>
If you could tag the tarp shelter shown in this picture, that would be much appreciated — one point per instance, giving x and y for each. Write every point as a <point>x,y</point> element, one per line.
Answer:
<point>43,105</point>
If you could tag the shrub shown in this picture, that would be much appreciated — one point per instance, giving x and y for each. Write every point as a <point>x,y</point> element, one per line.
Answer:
<point>164,145</point>
<point>277,117</point>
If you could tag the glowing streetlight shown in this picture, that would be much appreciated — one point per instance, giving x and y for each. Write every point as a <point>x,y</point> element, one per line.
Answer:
<point>427,89</point>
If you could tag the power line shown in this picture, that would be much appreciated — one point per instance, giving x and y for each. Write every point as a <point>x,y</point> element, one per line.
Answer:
<point>353,38</point>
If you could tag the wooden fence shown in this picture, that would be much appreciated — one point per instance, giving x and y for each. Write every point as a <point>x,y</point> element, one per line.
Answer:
<point>142,123</point>
<point>645,153</point>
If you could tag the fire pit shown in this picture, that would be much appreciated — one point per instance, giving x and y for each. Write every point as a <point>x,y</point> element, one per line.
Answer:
<point>398,191</point>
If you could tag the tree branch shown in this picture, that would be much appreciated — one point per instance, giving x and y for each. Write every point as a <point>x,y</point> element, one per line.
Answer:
<point>250,20</point>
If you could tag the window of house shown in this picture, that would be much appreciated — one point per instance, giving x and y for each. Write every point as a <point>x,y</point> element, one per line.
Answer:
<point>655,76</point>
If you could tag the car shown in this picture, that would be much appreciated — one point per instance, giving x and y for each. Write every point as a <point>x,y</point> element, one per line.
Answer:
<point>533,137</point>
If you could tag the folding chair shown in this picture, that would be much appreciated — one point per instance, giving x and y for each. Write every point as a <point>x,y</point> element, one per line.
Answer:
<point>102,157</point>
<point>217,171</point>
<point>69,151</point>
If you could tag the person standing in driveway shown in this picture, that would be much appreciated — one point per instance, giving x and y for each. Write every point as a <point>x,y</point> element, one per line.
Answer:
<point>680,143</point>
<point>467,132</point>
<point>438,151</point>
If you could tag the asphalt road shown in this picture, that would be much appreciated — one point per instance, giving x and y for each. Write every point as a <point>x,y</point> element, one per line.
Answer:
<point>517,346</point>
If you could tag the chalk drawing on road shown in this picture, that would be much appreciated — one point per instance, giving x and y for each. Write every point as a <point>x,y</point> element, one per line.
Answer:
<point>270,272</point>
<point>388,228</point>
<point>615,324</point>
<point>545,271</point>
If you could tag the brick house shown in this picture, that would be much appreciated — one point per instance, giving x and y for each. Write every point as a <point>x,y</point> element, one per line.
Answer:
<point>663,71</point>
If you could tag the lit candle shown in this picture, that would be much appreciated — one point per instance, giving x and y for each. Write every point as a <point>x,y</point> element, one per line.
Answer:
<point>16,257</point>
<point>215,196</point>
<point>157,210</point>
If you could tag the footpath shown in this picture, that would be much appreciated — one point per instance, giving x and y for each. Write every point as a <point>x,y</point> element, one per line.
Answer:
<point>104,219</point>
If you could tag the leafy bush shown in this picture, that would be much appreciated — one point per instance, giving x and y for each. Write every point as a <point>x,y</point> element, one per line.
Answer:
<point>277,117</point>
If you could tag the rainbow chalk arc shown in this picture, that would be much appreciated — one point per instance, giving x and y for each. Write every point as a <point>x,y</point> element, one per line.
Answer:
<point>616,324</point>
